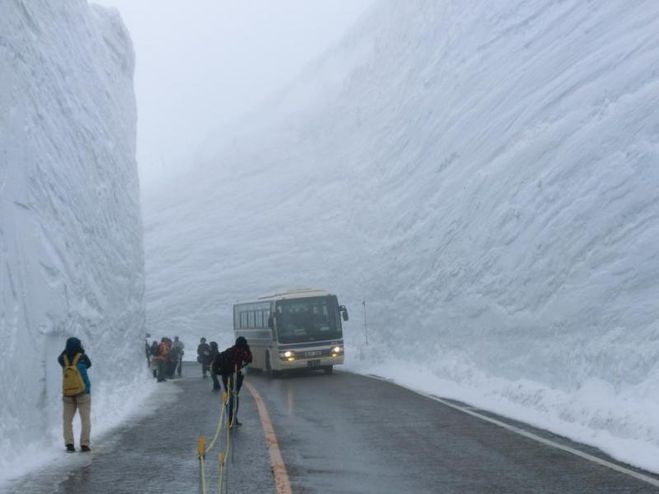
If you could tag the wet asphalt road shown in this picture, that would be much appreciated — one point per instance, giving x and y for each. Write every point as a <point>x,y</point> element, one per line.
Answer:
<point>352,434</point>
<point>338,434</point>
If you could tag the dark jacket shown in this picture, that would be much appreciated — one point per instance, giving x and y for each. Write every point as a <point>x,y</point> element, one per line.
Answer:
<point>74,347</point>
<point>203,353</point>
<point>214,351</point>
<point>232,359</point>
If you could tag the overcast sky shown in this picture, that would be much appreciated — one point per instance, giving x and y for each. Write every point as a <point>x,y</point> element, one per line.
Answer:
<point>203,63</point>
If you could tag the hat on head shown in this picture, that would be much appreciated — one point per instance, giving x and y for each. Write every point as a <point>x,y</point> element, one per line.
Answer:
<point>73,345</point>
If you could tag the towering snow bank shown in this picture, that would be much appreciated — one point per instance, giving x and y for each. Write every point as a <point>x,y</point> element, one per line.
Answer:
<point>484,175</point>
<point>71,260</point>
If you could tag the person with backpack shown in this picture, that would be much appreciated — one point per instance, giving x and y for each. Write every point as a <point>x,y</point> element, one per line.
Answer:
<point>76,390</point>
<point>162,359</point>
<point>228,365</point>
<point>203,356</point>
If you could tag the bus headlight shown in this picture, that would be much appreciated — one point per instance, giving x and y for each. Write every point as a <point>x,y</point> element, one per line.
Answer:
<point>287,355</point>
<point>337,349</point>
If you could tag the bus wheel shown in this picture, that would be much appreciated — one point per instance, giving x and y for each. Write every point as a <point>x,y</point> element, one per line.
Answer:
<point>328,369</point>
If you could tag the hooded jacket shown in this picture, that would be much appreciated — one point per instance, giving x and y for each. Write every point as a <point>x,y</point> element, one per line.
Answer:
<point>232,359</point>
<point>74,347</point>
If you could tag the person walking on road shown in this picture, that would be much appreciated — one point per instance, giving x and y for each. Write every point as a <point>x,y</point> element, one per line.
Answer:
<point>203,354</point>
<point>178,347</point>
<point>228,365</point>
<point>76,390</point>
<point>163,353</point>
<point>154,352</point>
<point>214,352</point>
<point>147,350</point>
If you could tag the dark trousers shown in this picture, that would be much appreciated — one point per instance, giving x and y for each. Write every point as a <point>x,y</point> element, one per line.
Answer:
<point>205,367</point>
<point>216,381</point>
<point>162,369</point>
<point>227,380</point>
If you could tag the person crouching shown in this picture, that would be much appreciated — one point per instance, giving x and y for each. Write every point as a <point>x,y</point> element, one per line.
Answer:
<point>228,363</point>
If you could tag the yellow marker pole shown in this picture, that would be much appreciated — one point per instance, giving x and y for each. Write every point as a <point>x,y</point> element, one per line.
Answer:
<point>201,452</point>
<point>201,446</point>
<point>220,459</point>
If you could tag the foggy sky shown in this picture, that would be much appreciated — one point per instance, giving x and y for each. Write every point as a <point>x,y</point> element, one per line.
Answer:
<point>201,64</point>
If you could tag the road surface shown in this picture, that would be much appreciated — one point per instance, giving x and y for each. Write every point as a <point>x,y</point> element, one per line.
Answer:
<point>339,433</point>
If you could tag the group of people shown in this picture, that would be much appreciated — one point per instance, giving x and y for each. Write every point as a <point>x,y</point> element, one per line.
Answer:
<point>165,358</point>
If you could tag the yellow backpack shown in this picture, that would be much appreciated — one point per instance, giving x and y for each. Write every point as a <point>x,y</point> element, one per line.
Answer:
<point>72,383</point>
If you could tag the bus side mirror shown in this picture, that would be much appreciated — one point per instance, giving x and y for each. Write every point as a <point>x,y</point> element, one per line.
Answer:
<point>344,312</point>
<point>270,322</point>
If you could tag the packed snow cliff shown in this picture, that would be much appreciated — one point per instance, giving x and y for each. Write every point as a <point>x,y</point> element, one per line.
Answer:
<point>71,254</point>
<point>484,176</point>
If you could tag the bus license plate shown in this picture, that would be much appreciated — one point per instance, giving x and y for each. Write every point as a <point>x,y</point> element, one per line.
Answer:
<point>313,363</point>
<point>316,353</point>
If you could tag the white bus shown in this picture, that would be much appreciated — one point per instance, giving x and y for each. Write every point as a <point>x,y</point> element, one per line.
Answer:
<point>292,330</point>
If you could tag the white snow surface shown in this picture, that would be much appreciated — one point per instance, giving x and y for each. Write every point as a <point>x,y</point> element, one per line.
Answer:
<point>484,175</point>
<point>71,250</point>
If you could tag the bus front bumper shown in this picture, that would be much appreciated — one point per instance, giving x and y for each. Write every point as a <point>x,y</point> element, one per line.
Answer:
<point>311,362</point>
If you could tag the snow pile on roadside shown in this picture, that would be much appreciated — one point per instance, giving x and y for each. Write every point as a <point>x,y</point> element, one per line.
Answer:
<point>71,255</point>
<point>484,176</point>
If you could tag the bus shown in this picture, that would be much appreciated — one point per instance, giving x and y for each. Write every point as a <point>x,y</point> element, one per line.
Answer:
<point>297,329</point>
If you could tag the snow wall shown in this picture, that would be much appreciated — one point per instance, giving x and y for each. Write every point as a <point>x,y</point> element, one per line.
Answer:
<point>71,252</point>
<point>484,175</point>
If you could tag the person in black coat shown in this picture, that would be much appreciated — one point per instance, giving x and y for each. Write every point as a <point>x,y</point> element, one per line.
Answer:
<point>154,351</point>
<point>203,356</point>
<point>229,363</point>
<point>214,352</point>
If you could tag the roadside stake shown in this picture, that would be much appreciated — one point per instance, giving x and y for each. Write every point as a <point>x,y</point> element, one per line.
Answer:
<point>517,430</point>
<point>278,466</point>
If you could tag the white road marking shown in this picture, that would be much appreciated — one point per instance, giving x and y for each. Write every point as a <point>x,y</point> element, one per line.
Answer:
<point>547,442</point>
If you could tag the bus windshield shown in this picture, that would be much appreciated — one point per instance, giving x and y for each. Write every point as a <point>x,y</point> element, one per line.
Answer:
<point>308,319</point>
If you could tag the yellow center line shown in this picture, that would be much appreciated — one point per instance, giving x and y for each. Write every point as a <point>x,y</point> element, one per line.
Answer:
<point>278,466</point>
